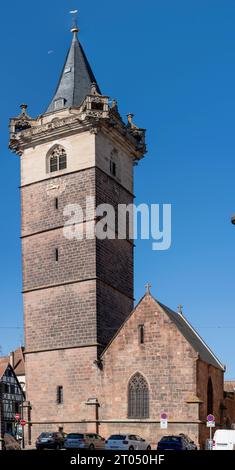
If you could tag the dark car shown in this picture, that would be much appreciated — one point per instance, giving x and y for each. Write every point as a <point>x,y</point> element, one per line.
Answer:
<point>50,440</point>
<point>191,444</point>
<point>173,443</point>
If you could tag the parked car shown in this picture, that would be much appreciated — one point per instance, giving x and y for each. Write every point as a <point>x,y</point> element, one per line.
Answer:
<point>191,444</point>
<point>50,440</point>
<point>224,439</point>
<point>84,441</point>
<point>127,442</point>
<point>174,443</point>
<point>10,443</point>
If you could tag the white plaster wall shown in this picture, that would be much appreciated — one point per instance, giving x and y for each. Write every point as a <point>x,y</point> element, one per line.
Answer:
<point>80,149</point>
<point>104,148</point>
<point>84,150</point>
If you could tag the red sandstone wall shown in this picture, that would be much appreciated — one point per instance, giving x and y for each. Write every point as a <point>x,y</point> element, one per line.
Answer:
<point>168,363</point>
<point>204,371</point>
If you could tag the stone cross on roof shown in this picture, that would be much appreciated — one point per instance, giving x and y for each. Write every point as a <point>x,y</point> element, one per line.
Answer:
<point>180,309</point>
<point>148,287</point>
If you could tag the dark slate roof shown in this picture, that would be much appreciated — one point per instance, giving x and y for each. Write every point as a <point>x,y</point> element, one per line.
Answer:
<point>76,78</point>
<point>192,337</point>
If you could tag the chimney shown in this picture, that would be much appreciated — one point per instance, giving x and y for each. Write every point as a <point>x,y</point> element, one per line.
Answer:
<point>12,361</point>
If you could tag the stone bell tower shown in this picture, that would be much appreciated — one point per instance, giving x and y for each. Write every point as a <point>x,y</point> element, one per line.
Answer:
<point>76,293</point>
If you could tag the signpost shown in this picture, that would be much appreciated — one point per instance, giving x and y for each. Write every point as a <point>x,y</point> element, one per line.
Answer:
<point>163,421</point>
<point>22,423</point>
<point>210,424</point>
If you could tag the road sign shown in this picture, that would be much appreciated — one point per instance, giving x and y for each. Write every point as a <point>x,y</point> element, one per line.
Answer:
<point>163,421</point>
<point>22,422</point>
<point>17,416</point>
<point>210,418</point>
<point>210,424</point>
<point>210,421</point>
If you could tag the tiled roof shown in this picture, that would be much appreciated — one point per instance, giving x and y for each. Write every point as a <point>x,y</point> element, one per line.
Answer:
<point>229,385</point>
<point>18,364</point>
<point>16,358</point>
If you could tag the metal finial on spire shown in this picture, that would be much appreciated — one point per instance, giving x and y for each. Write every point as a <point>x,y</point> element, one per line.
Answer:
<point>148,287</point>
<point>75,28</point>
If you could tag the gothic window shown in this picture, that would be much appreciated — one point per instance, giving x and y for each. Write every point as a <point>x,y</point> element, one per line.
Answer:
<point>138,397</point>
<point>57,159</point>
<point>210,397</point>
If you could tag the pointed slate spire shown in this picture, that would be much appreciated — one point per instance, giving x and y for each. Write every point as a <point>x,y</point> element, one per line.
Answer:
<point>76,79</point>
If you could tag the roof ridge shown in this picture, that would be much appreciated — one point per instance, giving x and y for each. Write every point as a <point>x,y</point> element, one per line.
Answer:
<point>194,331</point>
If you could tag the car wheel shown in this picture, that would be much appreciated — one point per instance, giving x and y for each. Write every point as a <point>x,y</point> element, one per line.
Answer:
<point>91,447</point>
<point>148,448</point>
<point>131,448</point>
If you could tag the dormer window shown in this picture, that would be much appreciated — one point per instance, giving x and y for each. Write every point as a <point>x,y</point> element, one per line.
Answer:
<point>57,159</point>
<point>59,104</point>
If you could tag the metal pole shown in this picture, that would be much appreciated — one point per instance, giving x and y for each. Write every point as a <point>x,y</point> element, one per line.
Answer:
<point>29,425</point>
<point>23,437</point>
<point>97,418</point>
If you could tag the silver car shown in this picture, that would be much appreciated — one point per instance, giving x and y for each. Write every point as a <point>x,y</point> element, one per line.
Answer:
<point>84,441</point>
<point>127,442</point>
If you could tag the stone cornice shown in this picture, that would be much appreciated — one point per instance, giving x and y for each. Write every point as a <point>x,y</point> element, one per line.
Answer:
<point>94,115</point>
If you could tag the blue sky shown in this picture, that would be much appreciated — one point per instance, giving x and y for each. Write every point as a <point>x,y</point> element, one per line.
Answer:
<point>173,65</point>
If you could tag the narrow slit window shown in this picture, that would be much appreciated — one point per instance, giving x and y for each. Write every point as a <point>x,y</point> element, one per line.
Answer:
<point>113,168</point>
<point>56,203</point>
<point>141,334</point>
<point>60,395</point>
<point>56,254</point>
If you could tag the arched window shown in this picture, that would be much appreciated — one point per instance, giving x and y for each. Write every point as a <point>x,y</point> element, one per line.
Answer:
<point>57,159</point>
<point>210,398</point>
<point>138,397</point>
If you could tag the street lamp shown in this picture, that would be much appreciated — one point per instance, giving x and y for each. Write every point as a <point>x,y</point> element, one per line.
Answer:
<point>233,219</point>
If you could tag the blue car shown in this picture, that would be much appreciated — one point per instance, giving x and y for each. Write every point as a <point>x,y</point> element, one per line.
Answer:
<point>173,443</point>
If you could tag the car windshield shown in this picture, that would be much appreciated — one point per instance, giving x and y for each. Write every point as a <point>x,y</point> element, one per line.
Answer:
<point>171,438</point>
<point>116,437</point>
<point>75,436</point>
<point>45,434</point>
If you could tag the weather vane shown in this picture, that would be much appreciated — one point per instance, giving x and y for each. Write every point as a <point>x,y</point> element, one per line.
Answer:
<point>74,28</point>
